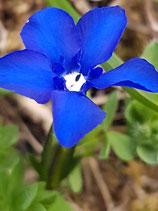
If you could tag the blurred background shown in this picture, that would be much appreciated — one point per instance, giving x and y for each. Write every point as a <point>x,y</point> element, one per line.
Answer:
<point>106,181</point>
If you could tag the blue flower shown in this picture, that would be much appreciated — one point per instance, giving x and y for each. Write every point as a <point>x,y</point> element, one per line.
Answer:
<point>60,61</point>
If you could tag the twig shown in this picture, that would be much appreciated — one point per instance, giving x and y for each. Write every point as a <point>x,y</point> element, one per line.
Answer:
<point>87,175</point>
<point>31,139</point>
<point>101,184</point>
<point>81,5</point>
<point>3,36</point>
<point>13,116</point>
<point>151,22</point>
<point>138,27</point>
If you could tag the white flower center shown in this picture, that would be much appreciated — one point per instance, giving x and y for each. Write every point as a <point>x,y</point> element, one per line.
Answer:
<point>74,81</point>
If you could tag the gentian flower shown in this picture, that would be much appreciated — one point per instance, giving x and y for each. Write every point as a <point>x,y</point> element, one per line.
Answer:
<point>60,62</point>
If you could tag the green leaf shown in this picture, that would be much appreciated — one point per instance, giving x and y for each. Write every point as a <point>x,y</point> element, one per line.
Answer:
<point>26,196</point>
<point>10,185</point>
<point>135,113</point>
<point>132,113</point>
<point>105,150</point>
<point>112,63</point>
<point>59,204</point>
<point>8,159</point>
<point>146,98</point>
<point>4,205</point>
<point>65,5</point>
<point>88,144</point>
<point>37,207</point>
<point>75,179</point>
<point>44,195</point>
<point>4,92</point>
<point>15,180</point>
<point>122,145</point>
<point>148,153</point>
<point>151,52</point>
<point>51,200</point>
<point>8,156</point>
<point>8,135</point>
<point>110,108</point>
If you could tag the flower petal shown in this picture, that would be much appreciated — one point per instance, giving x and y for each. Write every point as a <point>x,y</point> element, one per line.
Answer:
<point>74,115</point>
<point>52,31</point>
<point>135,73</point>
<point>27,73</point>
<point>100,31</point>
<point>95,73</point>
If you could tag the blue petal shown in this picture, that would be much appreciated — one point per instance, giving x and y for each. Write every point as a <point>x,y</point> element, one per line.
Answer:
<point>27,73</point>
<point>52,31</point>
<point>95,73</point>
<point>100,30</point>
<point>74,115</point>
<point>135,73</point>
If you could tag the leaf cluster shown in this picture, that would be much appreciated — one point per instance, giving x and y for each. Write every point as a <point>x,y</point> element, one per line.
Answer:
<point>14,194</point>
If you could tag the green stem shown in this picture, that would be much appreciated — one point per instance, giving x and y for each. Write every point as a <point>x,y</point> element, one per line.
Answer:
<point>60,166</point>
<point>57,162</point>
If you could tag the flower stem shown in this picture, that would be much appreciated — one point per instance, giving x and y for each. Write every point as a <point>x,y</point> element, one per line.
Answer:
<point>57,162</point>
